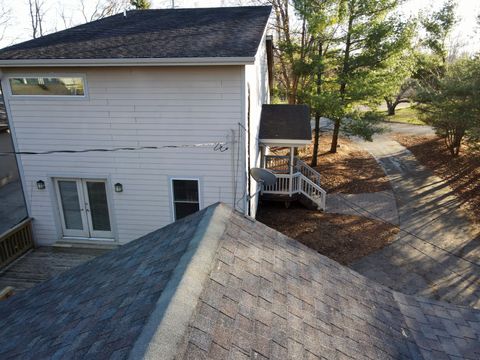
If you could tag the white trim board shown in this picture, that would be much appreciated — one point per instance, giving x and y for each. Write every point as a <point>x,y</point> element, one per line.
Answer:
<point>287,142</point>
<point>194,61</point>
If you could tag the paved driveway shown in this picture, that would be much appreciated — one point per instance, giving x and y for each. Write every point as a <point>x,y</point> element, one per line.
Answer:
<point>438,254</point>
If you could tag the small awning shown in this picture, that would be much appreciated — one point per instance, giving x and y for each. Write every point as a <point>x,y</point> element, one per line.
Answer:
<point>285,125</point>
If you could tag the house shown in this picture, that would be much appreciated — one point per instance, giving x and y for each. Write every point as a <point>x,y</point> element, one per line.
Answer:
<point>219,285</point>
<point>150,78</point>
<point>158,113</point>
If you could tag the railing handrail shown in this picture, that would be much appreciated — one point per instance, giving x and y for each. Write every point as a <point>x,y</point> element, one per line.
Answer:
<point>278,156</point>
<point>311,171</point>
<point>10,231</point>
<point>15,242</point>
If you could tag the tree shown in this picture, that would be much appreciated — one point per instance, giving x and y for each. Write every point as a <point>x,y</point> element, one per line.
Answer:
<point>438,27</point>
<point>398,85</point>
<point>293,46</point>
<point>320,18</point>
<point>371,36</point>
<point>102,8</point>
<point>140,4</point>
<point>452,106</point>
<point>5,18</point>
<point>37,12</point>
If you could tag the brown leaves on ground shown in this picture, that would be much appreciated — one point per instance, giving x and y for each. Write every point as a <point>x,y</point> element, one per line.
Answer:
<point>350,171</point>
<point>462,173</point>
<point>344,238</point>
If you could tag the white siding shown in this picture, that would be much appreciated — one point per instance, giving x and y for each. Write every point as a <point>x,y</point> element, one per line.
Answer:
<point>131,107</point>
<point>257,86</point>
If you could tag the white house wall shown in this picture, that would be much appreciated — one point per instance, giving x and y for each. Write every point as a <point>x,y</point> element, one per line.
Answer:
<point>257,85</point>
<point>131,107</point>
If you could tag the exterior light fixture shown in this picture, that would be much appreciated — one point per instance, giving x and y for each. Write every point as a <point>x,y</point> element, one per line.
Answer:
<point>118,187</point>
<point>40,185</point>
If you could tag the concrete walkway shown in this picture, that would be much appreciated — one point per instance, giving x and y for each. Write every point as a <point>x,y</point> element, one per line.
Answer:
<point>377,205</point>
<point>438,254</point>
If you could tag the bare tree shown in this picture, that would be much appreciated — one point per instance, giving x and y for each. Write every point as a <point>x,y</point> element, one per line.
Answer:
<point>103,8</point>
<point>37,12</point>
<point>5,17</point>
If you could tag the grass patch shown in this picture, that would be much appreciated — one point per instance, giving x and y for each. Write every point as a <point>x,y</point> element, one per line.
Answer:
<point>407,115</point>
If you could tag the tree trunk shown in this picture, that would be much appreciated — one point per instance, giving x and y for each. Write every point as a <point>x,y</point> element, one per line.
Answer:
<point>343,81</point>
<point>316,139</point>
<point>390,107</point>
<point>317,113</point>
<point>336,131</point>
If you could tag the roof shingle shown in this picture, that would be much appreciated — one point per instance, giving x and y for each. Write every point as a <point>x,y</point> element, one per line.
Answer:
<point>265,296</point>
<point>167,33</point>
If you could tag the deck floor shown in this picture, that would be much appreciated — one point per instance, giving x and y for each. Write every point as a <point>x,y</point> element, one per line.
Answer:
<point>42,263</point>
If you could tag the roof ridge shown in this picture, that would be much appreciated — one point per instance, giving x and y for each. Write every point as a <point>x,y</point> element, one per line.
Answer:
<point>168,322</point>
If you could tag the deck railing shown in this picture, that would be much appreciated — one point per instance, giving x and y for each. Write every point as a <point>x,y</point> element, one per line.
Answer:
<point>15,242</point>
<point>279,164</point>
<point>297,183</point>
<point>307,171</point>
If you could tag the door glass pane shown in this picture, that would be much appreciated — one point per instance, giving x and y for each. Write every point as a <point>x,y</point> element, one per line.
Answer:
<point>97,197</point>
<point>70,204</point>
<point>185,209</point>
<point>185,190</point>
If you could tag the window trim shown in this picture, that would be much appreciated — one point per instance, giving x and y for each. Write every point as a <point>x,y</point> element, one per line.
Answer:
<point>172,199</point>
<point>48,75</point>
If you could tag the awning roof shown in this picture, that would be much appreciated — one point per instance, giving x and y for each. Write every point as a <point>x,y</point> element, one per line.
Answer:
<point>285,125</point>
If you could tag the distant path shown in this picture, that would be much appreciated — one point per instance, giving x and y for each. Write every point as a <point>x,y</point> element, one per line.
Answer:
<point>441,256</point>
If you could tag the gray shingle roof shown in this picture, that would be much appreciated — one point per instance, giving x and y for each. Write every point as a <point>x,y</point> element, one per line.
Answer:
<point>179,33</point>
<point>286,122</point>
<point>261,295</point>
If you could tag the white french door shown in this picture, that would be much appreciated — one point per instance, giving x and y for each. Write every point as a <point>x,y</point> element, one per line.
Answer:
<point>84,210</point>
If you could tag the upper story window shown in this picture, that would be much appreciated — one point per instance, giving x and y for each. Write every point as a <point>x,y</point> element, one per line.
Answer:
<point>56,86</point>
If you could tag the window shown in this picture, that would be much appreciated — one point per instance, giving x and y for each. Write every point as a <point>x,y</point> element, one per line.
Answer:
<point>185,197</point>
<point>57,86</point>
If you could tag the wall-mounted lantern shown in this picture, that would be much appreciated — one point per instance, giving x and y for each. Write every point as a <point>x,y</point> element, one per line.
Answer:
<point>40,185</point>
<point>118,187</point>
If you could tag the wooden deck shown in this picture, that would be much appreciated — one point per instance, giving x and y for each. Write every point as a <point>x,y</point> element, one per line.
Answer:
<point>42,263</point>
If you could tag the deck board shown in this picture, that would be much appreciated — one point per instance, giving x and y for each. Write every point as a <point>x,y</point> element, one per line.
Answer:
<point>41,264</point>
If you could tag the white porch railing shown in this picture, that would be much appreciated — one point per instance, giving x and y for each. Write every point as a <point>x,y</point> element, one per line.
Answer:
<point>297,183</point>
<point>307,171</point>
<point>279,164</point>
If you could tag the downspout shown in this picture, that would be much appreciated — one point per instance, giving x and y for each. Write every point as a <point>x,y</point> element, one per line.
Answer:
<point>249,181</point>
<point>234,180</point>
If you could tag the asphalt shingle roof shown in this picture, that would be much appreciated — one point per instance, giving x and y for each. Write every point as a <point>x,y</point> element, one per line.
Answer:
<point>264,296</point>
<point>286,122</point>
<point>179,33</point>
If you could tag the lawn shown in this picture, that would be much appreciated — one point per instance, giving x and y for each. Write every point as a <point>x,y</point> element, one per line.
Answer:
<point>406,115</point>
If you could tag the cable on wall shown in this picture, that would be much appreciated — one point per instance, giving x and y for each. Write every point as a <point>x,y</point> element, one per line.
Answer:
<point>217,146</point>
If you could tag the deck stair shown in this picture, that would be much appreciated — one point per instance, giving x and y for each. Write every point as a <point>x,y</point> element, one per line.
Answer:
<point>302,184</point>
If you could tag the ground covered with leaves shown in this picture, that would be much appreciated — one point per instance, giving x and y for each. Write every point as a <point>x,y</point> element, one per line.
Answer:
<point>350,171</point>
<point>462,173</point>
<point>343,238</point>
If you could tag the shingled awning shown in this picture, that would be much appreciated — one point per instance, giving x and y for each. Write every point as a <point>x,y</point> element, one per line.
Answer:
<point>285,125</point>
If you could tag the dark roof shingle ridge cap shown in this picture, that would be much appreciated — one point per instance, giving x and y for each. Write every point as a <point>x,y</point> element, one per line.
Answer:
<point>168,323</point>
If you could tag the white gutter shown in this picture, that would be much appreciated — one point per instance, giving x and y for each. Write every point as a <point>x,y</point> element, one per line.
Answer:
<point>199,61</point>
